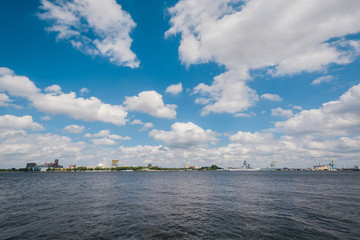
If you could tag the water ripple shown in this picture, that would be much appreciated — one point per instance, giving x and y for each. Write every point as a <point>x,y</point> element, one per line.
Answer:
<point>180,205</point>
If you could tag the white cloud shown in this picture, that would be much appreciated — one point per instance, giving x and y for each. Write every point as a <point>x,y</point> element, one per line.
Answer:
<point>14,122</point>
<point>226,94</point>
<point>91,109</point>
<point>260,34</point>
<point>6,71</point>
<point>106,134</point>
<point>83,91</point>
<point>184,135</point>
<point>4,100</point>
<point>150,102</point>
<point>136,122</point>
<point>56,102</point>
<point>53,90</point>
<point>45,118</point>
<point>103,141</point>
<point>242,115</point>
<point>296,107</point>
<point>148,125</point>
<point>322,79</point>
<point>9,133</point>
<point>117,137</point>
<point>94,27</point>
<point>259,149</point>
<point>102,133</point>
<point>174,89</point>
<point>253,138</point>
<point>18,148</point>
<point>144,126</point>
<point>335,118</point>
<point>18,86</point>
<point>271,97</point>
<point>280,112</point>
<point>74,128</point>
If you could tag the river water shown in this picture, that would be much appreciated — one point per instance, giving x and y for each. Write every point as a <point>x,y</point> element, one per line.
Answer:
<point>180,205</point>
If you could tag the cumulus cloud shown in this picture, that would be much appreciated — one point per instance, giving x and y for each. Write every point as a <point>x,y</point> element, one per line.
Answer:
<point>322,79</point>
<point>242,115</point>
<point>150,102</point>
<point>83,91</point>
<point>93,27</point>
<point>106,134</point>
<point>184,135</point>
<point>226,94</point>
<point>296,107</point>
<point>53,90</point>
<point>4,100</point>
<point>9,133</point>
<point>6,71</point>
<point>260,34</point>
<point>253,138</point>
<point>280,112</point>
<point>18,148</point>
<point>18,86</point>
<point>103,141</point>
<point>144,126</point>
<point>14,122</point>
<point>74,128</point>
<point>259,149</point>
<point>271,97</point>
<point>174,89</point>
<point>45,118</point>
<point>56,102</point>
<point>334,118</point>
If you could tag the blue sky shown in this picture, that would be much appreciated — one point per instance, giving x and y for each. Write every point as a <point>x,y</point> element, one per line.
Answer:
<point>180,82</point>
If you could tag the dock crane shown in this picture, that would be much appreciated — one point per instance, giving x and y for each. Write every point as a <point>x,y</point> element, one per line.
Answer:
<point>332,165</point>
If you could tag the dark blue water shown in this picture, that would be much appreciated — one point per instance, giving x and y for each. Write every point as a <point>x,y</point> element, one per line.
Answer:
<point>180,205</point>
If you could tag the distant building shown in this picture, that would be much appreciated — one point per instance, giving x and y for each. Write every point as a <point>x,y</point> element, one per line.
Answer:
<point>31,166</point>
<point>42,168</point>
<point>187,166</point>
<point>322,168</point>
<point>329,167</point>
<point>55,164</point>
<point>34,167</point>
<point>150,165</point>
<point>114,163</point>
<point>72,166</point>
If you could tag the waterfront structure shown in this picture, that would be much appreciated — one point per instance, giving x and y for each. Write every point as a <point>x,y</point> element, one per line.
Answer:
<point>31,166</point>
<point>321,168</point>
<point>329,167</point>
<point>35,167</point>
<point>42,168</point>
<point>245,167</point>
<point>114,163</point>
<point>55,164</point>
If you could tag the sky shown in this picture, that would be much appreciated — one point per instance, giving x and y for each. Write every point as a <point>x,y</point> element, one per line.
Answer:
<point>180,82</point>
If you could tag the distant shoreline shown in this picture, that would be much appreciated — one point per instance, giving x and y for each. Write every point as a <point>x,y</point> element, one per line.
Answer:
<point>166,170</point>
